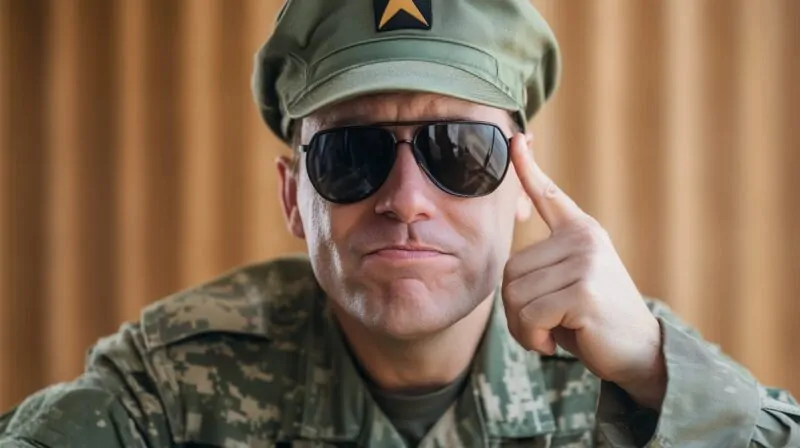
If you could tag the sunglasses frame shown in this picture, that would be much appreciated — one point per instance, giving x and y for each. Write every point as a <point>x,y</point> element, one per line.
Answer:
<point>420,127</point>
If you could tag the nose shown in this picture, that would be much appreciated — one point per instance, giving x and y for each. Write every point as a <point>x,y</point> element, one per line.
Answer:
<point>407,195</point>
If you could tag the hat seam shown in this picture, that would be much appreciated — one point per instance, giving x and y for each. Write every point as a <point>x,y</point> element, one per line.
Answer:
<point>317,84</point>
<point>493,77</point>
<point>396,38</point>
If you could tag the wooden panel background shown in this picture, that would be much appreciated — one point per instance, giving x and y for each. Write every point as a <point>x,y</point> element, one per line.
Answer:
<point>133,163</point>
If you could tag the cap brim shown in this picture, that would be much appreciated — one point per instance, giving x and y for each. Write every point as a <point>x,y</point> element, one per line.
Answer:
<point>400,76</point>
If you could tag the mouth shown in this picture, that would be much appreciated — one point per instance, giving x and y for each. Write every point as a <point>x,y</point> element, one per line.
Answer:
<point>406,252</point>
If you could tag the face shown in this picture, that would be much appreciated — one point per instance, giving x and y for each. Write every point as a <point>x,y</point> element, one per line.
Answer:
<point>410,260</point>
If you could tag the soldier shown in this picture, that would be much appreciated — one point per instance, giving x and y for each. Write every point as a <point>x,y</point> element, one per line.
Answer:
<point>410,324</point>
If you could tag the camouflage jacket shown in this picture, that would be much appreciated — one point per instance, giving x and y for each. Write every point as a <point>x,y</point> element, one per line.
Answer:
<point>253,360</point>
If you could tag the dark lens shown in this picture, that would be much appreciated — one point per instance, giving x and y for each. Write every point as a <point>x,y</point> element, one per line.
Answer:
<point>348,164</point>
<point>465,159</point>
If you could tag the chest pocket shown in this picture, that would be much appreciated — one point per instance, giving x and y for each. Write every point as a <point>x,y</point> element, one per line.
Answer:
<point>228,355</point>
<point>232,392</point>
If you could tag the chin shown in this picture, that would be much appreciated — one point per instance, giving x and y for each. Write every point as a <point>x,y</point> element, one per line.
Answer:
<point>406,309</point>
<point>409,325</point>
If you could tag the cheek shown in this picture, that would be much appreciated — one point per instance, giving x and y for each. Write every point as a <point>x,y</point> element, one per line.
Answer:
<point>498,210</point>
<point>490,223</point>
<point>326,226</point>
<point>315,215</point>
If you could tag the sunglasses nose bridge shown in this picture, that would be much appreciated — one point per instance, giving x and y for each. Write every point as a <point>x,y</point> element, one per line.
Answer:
<point>397,165</point>
<point>412,147</point>
<point>399,142</point>
<point>420,161</point>
<point>407,194</point>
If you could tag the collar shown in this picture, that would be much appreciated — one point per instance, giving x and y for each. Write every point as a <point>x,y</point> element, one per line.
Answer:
<point>507,395</point>
<point>335,398</point>
<point>510,383</point>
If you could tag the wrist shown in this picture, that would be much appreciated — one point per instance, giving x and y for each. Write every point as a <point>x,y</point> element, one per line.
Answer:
<point>648,393</point>
<point>648,386</point>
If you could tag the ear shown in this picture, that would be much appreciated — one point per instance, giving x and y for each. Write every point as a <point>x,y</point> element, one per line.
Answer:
<point>524,203</point>
<point>287,192</point>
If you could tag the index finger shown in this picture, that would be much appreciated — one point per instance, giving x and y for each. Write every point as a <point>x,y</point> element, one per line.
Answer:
<point>555,207</point>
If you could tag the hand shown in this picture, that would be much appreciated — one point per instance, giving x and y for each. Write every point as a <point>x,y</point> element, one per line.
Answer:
<point>573,290</point>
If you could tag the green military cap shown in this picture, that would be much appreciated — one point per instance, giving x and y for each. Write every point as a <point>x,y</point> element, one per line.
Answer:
<point>499,53</point>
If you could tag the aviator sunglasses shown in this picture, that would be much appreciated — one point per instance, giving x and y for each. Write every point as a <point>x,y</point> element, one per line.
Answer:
<point>463,158</point>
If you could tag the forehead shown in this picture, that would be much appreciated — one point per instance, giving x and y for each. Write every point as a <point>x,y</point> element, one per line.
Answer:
<point>401,107</point>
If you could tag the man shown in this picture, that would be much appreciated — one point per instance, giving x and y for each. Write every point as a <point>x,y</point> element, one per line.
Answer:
<point>410,324</point>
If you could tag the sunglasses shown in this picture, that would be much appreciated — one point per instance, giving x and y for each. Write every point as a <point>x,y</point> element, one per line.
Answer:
<point>463,158</point>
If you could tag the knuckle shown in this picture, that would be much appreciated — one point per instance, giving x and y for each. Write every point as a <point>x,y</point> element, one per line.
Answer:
<point>600,233</point>
<point>585,263</point>
<point>589,235</point>
<point>584,237</point>
<point>528,313</point>
<point>507,292</point>
<point>591,222</point>
<point>586,292</point>
<point>507,268</point>
<point>512,324</point>
<point>530,316</point>
<point>511,270</point>
<point>513,295</point>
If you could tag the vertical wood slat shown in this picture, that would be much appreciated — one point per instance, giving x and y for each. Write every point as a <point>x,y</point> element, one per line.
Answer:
<point>21,195</point>
<point>65,298</point>
<point>6,304</point>
<point>682,165</point>
<point>81,183</point>
<point>233,83</point>
<point>644,146</point>
<point>132,167</point>
<point>259,176</point>
<point>164,117</point>
<point>610,59</point>
<point>569,154</point>
<point>790,10</point>
<point>718,200</point>
<point>759,179</point>
<point>148,151</point>
<point>200,216</point>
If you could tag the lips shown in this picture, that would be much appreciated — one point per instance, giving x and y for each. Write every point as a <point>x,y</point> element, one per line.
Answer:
<point>406,251</point>
<point>409,248</point>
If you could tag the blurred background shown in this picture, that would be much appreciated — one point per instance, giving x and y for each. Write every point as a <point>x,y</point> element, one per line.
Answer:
<point>133,163</point>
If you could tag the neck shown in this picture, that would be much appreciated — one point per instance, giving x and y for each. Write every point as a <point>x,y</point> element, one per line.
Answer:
<point>419,364</point>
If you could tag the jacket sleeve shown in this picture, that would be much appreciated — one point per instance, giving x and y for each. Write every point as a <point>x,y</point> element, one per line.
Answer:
<point>710,401</point>
<point>113,404</point>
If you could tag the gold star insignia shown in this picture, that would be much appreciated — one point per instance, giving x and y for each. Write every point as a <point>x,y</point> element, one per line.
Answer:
<point>395,6</point>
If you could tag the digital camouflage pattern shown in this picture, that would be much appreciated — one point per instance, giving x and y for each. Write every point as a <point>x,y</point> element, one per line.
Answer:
<point>253,359</point>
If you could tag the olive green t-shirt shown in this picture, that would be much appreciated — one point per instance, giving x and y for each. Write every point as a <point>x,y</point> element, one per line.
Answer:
<point>414,413</point>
